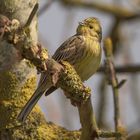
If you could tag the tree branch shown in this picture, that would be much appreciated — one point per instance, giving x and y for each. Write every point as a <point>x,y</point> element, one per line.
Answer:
<point>32,15</point>
<point>119,12</point>
<point>88,121</point>
<point>45,7</point>
<point>112,79</point>
<point>123,69</point>
<point>65,77</point>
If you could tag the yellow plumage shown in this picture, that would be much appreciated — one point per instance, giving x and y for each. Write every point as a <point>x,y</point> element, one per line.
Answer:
<point>89,62</point>
<point>82,50</point>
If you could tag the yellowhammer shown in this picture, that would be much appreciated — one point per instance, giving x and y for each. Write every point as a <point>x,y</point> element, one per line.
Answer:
<point>82,50</point>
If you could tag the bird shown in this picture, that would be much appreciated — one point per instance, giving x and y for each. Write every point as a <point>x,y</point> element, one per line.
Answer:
<point>82,51</point>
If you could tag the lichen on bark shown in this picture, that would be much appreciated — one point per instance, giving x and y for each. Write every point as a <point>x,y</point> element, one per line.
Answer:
<point>17,84</point>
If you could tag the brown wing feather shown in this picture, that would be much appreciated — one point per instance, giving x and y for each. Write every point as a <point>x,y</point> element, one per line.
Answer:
<point>67,51</point>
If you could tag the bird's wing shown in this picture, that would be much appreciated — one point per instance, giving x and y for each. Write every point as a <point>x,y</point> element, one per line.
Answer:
<point>69,50</point>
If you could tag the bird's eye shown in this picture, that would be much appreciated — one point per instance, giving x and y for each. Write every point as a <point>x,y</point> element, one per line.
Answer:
<point>91,27</point>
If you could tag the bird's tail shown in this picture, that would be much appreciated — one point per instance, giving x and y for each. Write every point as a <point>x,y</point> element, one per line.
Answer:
<point>29,105</point>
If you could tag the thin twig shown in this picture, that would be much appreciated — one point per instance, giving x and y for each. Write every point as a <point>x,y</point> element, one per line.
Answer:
<point>102,103</point>
<point>33,13</point>
<point>108,134</point>
<point>45,7</point>
<point>115,35</point>
<point>123,69</point>
<point>110,71</point>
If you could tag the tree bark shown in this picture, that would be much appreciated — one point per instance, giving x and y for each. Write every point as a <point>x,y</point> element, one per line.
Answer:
<point>17,84</point>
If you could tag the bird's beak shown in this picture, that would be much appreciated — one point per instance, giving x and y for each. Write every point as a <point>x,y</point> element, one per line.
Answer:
<point>81,23</point>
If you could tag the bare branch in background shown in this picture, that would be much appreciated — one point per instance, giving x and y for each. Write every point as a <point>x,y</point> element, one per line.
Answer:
<point>117,11</point>
<point>130,69</point>
<point>113,81</point>
<point>45,7</point>
<point>102,102</point>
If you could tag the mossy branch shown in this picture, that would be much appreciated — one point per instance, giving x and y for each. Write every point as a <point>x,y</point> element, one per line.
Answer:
<point>66,78</point>
<point>18,82</point>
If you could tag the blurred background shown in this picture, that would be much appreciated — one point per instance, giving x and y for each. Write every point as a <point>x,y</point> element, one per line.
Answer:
<point>120,19</point>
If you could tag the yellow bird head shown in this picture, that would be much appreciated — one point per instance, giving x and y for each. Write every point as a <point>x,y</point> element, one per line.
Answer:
<point>90,26</point>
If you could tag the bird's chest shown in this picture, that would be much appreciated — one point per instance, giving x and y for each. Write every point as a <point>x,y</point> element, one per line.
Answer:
<point>89,62</point>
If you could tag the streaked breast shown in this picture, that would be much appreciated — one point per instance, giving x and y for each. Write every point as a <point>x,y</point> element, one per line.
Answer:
<point>90,60</point>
